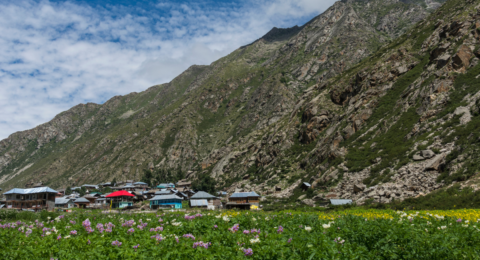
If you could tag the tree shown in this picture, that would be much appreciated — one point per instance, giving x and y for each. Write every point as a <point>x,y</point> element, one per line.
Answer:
<point>147,177</point>
<point>114,182</point>
<point>68,191</point>
<point>82,191</point>
<point>204,183</point>
<point>180,175</point>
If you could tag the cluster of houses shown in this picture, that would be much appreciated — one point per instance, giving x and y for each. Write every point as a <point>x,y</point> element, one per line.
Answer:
<point>124,194</point>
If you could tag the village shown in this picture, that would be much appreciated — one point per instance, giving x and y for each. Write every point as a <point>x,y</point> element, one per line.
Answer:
<point>125,195</point>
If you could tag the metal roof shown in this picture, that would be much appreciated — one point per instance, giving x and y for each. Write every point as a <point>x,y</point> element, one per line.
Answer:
<point>244,194</point>
<point>163,192</point>
<point>340,202</point>
<point>31,191</point>
<point>82,200</point>
<point>140,183</point>
<point>62,200</point>
<point>202,195</point>
<point>198,203</point>
<point>307,184</point>
<point>166,197</point>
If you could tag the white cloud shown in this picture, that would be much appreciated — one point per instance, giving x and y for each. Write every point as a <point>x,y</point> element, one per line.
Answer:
<point>56,55</point>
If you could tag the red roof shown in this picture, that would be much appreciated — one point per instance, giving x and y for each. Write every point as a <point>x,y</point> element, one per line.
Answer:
<point>120,193</point>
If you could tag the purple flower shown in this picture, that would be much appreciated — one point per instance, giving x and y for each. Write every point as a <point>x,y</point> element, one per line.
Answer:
<point>131,230</point>
<point>246,232</point>
<point>248,252</point>
<point>234,228</point>
<point>86,223</point>
<point>201,244</point>
<point>189,236</point>
<point>59,237</point>
<point>135,247</point>
<point>88,242</point>
<point>116,243</point>
<point>289,240</point>
<point>215,226</point>
<point>459,220</point>
<point>73,232</point>
<point>280,229</point>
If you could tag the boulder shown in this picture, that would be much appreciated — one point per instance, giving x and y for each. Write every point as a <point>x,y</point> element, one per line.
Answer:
<point>427,154</point>
<point>417,157</point>
<point>309,202</point>
<point>435,163</point>
<point>302,197</point>
<point>359,187</point>
<point>443,60</point>
<point>461,60</point>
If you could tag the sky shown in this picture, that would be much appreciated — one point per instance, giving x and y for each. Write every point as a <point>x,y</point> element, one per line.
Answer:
<point>55,54</point>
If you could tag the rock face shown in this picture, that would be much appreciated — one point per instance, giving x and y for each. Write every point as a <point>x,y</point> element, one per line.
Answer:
<point>369,100</point>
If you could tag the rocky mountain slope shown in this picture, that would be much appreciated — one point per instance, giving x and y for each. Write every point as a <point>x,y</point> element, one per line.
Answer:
<point>371,100</point>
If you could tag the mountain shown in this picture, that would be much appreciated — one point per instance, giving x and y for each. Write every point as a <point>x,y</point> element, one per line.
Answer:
<point>371,100</point>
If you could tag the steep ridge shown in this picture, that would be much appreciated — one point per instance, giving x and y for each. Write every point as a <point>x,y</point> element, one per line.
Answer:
<point>272,113</point>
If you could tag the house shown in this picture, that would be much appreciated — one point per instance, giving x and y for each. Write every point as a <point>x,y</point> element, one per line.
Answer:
<point>203,199</point>
<point>166,186</point>
<point>140,185</point>
<point>166,201</point>
<point>106,184</point>
<point>183,185</point>
<point>89,187</point>
<point>243,200</point>
<point>129,187</point>
<point>82,202</point>
<point>32,199</point>
<point>182,195</point>
<point>90,198</point>
<point>64,203</point>
<point>189,193</point>
<point>222,193</point>
<point>163,192</point>
<point>121,199</point>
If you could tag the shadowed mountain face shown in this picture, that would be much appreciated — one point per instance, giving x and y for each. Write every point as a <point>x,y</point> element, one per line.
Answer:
<point>372,99</point>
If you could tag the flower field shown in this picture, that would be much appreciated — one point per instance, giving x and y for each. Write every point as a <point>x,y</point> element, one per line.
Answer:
<point>352,234</point>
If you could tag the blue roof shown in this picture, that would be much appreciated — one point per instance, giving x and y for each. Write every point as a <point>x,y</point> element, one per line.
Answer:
<point>202,195</point>
<point>340,202</point>
<point>31,191</point>
<point>166,197</point>
<point>244,194</point>
<point>198,203</point>
<point>307,184</point>
<point>163,192</point>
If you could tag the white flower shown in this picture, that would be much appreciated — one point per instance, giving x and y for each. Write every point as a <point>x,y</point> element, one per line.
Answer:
<point>426,230</point>
<point>218,216</point>
<point>466,221</point>
<point>48,218</point>
<point>177,224</point>
<point>149,219</point>
<point>267,219</point>
<point>307,228</point>
<point>48,233</point>
<point>254,219</point>
<point>444,227</point>
<point>326,225</point>
<point>255,240</point>
<point>67,237</point>
<point>466,225</point>
<point>226,219</point>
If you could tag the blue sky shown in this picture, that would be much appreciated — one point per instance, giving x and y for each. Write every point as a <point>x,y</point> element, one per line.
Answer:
<point>56,54</point>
